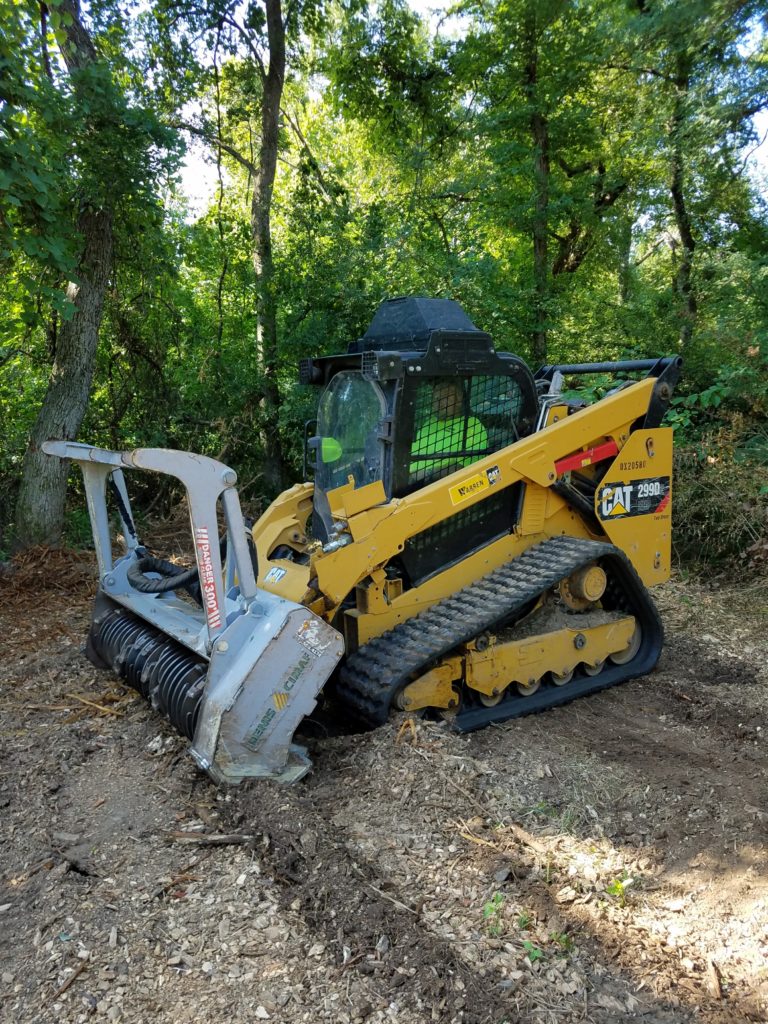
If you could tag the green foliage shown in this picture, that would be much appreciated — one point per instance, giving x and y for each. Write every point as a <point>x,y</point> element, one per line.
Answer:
<point>492,912</point>
<point>721,500</point>
<point>741,388</point>
<point>77,528</point>
<point>563,940</point>
<point>721,466</point>
<point>35,132</point>
<point>532,951</point>
<point>408,164</point>
<point>66,142</point>
<point>619,887</point>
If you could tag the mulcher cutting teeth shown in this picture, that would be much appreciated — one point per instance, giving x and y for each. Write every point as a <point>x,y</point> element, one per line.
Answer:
<point>161,670</point>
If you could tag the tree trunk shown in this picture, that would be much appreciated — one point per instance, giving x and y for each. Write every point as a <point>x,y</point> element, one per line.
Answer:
<point>539,129</point>
<point>40,507</point>
<point>261,212</point>
<point>624,245</point>
<point>683,278</point>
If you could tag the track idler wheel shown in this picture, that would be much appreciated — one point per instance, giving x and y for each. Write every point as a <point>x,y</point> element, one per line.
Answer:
<point>594,670</point>
<point>489,700</point>
<point>625,656</point>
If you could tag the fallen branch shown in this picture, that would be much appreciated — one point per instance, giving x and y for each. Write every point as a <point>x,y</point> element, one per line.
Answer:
<point>70,980</point>
<point>209,838</point>
<point>183,875</point>
<point>40,707</point>
<point>481,842</point>
<point>713,980</point>
<point>93,704</point>
<point>397,903</point>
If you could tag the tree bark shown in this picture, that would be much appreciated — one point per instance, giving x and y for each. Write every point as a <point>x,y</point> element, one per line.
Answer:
<point>573,248</point>
<point>40,506</point>
<point>683,278</point>
<point>263,263</point>
<point>539,129</point>
<point>625,259</point>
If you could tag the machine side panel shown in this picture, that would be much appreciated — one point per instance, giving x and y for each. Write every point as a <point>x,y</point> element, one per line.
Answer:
<point>634,503</point>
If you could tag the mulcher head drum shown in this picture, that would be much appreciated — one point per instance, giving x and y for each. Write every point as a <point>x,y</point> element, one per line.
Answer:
<point>236,673</point>
<point>163,671</point>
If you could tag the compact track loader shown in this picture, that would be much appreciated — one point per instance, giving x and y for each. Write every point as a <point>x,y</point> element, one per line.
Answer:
<point>474,545</point>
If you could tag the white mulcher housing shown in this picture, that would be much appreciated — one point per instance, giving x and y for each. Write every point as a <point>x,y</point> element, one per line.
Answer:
<point>235,676</point>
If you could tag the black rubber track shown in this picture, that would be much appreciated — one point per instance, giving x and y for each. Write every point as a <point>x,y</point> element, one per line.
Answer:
<point>373,676</point>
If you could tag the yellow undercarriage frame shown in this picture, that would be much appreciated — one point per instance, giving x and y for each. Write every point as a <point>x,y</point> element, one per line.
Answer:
<point>489,667</point>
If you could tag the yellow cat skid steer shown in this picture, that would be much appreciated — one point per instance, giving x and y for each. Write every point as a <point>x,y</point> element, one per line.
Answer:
<point>474,545</point>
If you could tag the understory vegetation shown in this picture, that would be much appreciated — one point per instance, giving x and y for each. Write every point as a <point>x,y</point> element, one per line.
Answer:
<point>583,178</point>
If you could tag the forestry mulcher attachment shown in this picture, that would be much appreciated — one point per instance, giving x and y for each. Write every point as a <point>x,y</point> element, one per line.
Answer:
<point>475,545</point>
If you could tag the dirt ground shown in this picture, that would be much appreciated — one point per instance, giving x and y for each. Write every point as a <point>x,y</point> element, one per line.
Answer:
<point>603,862</point>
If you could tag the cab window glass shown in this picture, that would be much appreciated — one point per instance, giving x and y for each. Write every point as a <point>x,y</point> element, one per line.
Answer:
<point>348,423</point>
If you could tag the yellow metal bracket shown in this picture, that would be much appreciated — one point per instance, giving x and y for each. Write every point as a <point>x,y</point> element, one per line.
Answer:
<point>525,661</point>
<point>434,689</point>
<point>491,670</point>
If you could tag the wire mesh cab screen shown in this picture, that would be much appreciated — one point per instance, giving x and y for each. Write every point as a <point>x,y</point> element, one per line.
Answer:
<point>459,420</point>
<point>456,421</point>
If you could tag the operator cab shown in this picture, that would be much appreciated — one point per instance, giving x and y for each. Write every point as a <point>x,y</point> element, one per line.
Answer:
<point>422,394</point>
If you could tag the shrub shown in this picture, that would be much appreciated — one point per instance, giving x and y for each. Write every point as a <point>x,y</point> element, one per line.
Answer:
<point>721,497</point>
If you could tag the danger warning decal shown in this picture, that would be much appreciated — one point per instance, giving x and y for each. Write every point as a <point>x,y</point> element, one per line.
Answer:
<point>638,498</point>
<point>207,578</point>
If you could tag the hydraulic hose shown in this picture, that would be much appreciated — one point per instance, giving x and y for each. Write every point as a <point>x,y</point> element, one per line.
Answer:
<point>174,576</point>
